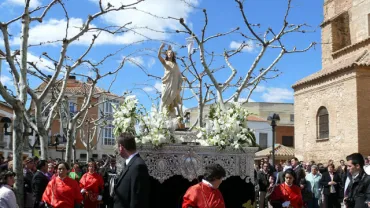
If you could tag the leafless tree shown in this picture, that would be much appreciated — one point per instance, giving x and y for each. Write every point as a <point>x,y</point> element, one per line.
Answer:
<point>269,40</point>
<point>20,68</point>
<point>202,64</point>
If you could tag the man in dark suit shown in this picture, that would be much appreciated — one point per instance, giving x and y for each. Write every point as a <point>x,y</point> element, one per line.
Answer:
<point>39,182</point>
<point>298,171</point>
<point>331,182</point>
<point>132,186</point>
<point>279,174</point>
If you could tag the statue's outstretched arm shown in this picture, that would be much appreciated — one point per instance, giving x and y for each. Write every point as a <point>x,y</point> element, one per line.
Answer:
<point>160,55</point>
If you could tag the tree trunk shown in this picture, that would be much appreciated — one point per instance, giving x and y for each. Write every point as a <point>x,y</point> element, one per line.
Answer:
<point>74,153</point>
<point>220,100</point>
<point>43,138</point>
<point>200,105</point>
<point>88,144</point>
<point>18,144</point>
<point>200,113</point>
<point>70,139</point>
<point>87,153</point>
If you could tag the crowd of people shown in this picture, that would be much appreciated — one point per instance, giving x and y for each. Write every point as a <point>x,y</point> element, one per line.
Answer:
<point>293,185</point>
<point>298,184</point>
<point>53,183</point>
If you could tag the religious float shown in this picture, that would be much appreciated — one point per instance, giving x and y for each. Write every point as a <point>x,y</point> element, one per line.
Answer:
<point>176,156</point>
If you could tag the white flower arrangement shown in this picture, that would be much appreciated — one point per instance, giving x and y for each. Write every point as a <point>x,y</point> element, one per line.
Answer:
<point>228,127</point>
<point>126,116</point>
<point>155,128</point>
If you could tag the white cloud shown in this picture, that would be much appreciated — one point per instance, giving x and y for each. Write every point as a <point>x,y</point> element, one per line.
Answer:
<point>250,46</point>
<point>158,86</point>
<point>162,8</point>
<point>54,30</point>
<point>151,63</point>
<point>148,89</point>
<point>277,95</point>
<point>42,63</point>
<point>134,61</point>
<point>260,88</point>
<point>5,80</point>
<point>33,3</point>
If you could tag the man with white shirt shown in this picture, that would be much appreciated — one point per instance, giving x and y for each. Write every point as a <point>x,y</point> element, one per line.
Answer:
<point>132,186</point>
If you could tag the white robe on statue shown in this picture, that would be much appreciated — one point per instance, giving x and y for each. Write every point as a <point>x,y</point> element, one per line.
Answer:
<point>171,86</point>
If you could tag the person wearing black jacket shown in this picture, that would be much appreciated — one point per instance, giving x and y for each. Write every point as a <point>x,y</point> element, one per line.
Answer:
<point>39,182</point>
<point>132,187</point>
<point>263,183</point>
<point>28,175</point>
<point>357,192</point>
<point>331,183</point>
<point>300,173</point>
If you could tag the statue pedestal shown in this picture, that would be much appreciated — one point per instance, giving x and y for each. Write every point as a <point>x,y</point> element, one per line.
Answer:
<point>189,160</point>
<point>185,137</point>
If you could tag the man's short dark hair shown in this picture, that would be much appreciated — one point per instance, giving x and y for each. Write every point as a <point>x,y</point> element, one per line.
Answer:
<point>357,159</point>
<point>127,140</point>
<point>296,159</point>
<point>35,158</point>
<point>331,165</point>
<point>213,172</point>
<point>41,164</point>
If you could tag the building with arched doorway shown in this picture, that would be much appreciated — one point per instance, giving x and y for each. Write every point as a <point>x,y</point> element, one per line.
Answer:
<point>332,106</point>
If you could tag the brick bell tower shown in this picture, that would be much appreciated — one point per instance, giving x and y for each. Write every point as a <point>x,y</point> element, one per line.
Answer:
<point>332,106</point>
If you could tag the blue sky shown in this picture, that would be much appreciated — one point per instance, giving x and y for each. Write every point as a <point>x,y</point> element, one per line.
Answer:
<point>223,16</point>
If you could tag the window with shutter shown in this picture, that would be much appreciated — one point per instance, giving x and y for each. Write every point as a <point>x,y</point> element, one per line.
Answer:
<point>323,123</point>
<point>263,140</point>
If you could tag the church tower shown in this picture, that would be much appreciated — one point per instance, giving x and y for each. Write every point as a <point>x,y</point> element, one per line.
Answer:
<point>332,106</point>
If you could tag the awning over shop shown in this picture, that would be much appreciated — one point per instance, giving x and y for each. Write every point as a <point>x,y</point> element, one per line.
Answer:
<point>281,153</point>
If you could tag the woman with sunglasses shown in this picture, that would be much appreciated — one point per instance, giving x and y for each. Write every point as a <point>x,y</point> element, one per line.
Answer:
<point>92,184</point>
<point>287,194</point>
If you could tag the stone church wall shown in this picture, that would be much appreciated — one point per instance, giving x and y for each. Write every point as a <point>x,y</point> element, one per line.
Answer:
<point>336,94</point>
<point>363,106</point>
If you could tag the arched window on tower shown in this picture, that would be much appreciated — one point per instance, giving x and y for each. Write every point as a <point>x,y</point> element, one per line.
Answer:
<point>322,123</point>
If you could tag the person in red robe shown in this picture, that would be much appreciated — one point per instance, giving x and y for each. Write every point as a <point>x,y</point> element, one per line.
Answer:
<point>62,191</point>
<point>287,194</point>
<point>206,193</point>
<point>92,184</point>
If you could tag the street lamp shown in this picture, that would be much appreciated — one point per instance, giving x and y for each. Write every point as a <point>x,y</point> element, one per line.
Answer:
<point>57,138</point>
<point>6,125</point>
<point>273,120</point>
<point>7,122</point>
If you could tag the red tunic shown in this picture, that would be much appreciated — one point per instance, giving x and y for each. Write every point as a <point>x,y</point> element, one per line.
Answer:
<point>93,184</point>
<point>62,193</point>
<point>284,193</point>
<point>202,195</point>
